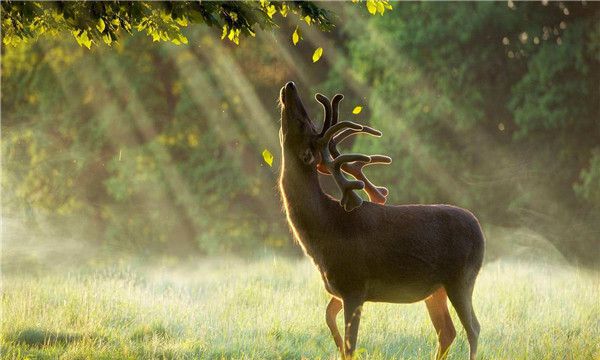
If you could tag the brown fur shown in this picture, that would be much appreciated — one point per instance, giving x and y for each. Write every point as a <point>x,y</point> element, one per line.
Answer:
<point>397,254</point>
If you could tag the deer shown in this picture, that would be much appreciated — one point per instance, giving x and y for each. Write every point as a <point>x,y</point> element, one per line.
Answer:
<point>366,251</point>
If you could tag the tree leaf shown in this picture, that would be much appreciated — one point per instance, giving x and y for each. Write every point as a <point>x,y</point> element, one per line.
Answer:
<point>225,31</point>
<point>101,26</point>
<point>372,7</point>
<point>160,24</point>
<point>271,11</point>
<point>357,110</point>
<point>296,36</point>
<point>284,10</point>
<point>83,39</point>
<point>107,39</point>
<point>268,157</point>
<point>380,7</point>
<point>317,54</point>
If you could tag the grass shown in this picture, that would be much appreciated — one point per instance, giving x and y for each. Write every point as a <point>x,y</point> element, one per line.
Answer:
<point>274,309</point>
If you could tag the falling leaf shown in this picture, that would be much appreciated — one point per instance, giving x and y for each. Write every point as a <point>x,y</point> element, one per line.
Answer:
<point>268,157</point>
<point>296,36</point>
<point>317,54</point>
<point>357,110</point>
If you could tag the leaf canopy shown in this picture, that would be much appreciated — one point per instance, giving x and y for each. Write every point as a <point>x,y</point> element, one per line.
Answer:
<point>93,22</point>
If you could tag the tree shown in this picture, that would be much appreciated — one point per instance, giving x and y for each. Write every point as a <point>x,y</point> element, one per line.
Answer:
<point>92,22</point>
<point>127,154</point>
<point>497,109</point>
<point>124,145</point>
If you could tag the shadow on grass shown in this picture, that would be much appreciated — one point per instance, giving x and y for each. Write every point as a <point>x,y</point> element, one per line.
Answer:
<point>147,332</point>
<point>40,337</point>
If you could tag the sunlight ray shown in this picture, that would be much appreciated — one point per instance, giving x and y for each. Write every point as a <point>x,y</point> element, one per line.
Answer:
<point>178,187</point>
<point>260,133</point>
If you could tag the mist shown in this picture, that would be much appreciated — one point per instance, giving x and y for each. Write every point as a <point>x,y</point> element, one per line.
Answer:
<point>141,218</point>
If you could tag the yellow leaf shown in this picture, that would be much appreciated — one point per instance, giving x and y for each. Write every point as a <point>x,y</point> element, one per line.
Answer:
<point>357,110</point>
<point>380,7</point>
<point>284,10</point>
<point>225,31</point>
<point>234,36</point>
<point>101,26</point>
<point>271,11</point>
<point>182,21</point>
<point>317,54</point>
<point>268,157</point>
<point>372,7</point>
<point>192,140</point>
<point>296,36</point>
<point>84,40</point>
<point>307,19</point>
<point>107,39</point>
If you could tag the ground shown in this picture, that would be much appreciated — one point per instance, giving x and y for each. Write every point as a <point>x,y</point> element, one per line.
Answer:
<point>273,308</point>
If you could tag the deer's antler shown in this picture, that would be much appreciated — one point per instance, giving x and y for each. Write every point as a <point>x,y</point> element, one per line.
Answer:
<point>332,162</point>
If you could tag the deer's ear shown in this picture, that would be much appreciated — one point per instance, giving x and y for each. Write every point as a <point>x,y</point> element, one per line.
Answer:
<point>307,156</point>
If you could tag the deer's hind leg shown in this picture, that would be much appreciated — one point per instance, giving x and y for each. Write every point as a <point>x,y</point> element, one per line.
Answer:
<point>437,306</point>
<point>461,298</point>
<point>333,308</point>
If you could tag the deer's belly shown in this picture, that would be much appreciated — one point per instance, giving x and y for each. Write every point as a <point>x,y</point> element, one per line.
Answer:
<point>379,291</point>
<point>341,285</point>
<point>330,285</point>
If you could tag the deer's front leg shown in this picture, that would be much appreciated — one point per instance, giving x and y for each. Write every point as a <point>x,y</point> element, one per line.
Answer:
<point>333,308</point>
<point>352,312</point>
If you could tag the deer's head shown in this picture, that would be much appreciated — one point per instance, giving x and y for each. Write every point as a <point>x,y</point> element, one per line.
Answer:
<point>297,134</point>
<point>317,151</point>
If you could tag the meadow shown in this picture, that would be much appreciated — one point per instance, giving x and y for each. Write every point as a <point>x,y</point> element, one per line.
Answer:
<point>273,308</point>
<point>140,216</point>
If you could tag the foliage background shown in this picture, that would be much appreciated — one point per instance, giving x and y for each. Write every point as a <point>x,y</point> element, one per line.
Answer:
<point>155,148</point>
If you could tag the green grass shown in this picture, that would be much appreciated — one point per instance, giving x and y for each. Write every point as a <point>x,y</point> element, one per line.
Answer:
<point>274,309</point>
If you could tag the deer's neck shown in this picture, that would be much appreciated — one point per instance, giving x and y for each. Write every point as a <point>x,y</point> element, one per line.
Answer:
<point>305,204</point>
